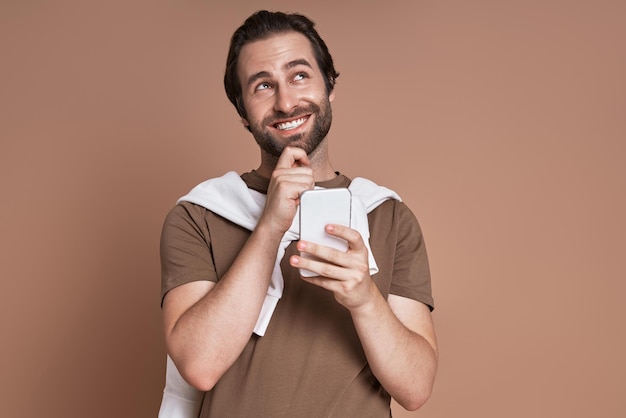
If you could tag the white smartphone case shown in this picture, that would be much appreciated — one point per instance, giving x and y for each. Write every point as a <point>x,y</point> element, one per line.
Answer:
<point>318,208</point>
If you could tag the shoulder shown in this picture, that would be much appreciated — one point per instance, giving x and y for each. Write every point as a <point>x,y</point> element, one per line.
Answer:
<point>185,214</point>
<point>394,212</point>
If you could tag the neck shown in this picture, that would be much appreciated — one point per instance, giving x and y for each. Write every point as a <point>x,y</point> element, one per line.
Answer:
<point>320,163</point>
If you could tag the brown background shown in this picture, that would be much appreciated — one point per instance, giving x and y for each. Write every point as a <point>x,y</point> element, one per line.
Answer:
<point>500,123</point>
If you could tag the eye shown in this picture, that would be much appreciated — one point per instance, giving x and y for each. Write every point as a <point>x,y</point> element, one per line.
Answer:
<point>262,86</point>
<point>300,76</point>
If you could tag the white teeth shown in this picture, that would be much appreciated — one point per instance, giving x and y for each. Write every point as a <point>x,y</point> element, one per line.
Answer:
<point>290,125</point>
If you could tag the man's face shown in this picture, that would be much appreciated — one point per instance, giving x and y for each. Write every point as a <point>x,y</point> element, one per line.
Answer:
<point>284,93</point>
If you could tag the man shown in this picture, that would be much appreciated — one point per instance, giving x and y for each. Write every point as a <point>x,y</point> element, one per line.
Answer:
<point>339,344</point>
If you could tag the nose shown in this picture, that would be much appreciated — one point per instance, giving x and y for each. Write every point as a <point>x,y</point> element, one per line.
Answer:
<point>286,100</point>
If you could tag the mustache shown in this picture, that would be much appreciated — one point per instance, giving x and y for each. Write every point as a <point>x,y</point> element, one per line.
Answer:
<point>294,114</point>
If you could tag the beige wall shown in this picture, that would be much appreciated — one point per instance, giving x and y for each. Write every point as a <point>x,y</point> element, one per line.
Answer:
<point>500,123</point>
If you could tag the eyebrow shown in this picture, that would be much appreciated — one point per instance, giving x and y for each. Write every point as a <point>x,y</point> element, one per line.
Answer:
<point>288,66</point>
<point>297,62</point>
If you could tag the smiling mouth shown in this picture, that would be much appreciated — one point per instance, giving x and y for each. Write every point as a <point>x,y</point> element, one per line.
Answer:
<point>292,124</point>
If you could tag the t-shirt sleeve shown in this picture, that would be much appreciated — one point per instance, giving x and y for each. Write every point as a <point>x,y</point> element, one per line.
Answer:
<point>411,271</point>
<point>185,248</point>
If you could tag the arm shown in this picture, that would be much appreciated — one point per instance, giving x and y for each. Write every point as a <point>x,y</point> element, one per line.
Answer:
<point>208,324</point>
<point>399,341</point>
<point>397,335</point>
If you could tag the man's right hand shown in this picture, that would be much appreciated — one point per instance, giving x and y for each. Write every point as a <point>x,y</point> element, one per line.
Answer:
<point>207,325</point>
<point>291,176</point>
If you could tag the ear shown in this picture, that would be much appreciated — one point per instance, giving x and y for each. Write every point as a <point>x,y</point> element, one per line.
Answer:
<point>331,96</point>
<point>244,122</point>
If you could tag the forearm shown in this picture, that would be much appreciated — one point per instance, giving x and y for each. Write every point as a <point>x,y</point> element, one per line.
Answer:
<point>208,336</point>
<point>404,361</point>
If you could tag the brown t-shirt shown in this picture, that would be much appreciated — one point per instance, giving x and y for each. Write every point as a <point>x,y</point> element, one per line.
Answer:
<point>310,362</point>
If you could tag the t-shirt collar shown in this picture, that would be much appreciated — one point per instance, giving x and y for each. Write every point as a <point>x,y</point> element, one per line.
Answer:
<point>256,182</point>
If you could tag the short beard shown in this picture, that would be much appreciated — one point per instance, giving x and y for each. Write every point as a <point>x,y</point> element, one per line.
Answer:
<point>307,141</point>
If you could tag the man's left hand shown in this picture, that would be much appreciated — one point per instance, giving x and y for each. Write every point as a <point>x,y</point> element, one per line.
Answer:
<point>346,274</point>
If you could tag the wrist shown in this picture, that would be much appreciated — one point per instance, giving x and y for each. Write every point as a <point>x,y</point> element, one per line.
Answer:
<point>268,230</point>
<point>369,305</point>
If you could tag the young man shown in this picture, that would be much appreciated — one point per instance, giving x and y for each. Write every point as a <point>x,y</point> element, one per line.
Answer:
<point>241,323</point>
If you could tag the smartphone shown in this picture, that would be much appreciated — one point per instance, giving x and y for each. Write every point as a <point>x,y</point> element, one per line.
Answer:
<point>318,208</point>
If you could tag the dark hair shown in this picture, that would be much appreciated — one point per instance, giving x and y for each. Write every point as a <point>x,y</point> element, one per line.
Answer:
<point>262,25</point>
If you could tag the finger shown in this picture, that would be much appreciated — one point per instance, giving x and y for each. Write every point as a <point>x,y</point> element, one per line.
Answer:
<point>354,238</point>
<point>295,180</point>
<point>323,282</point>
<point>330,272</point>
<point>324,257</point>
<point>293,157</point>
